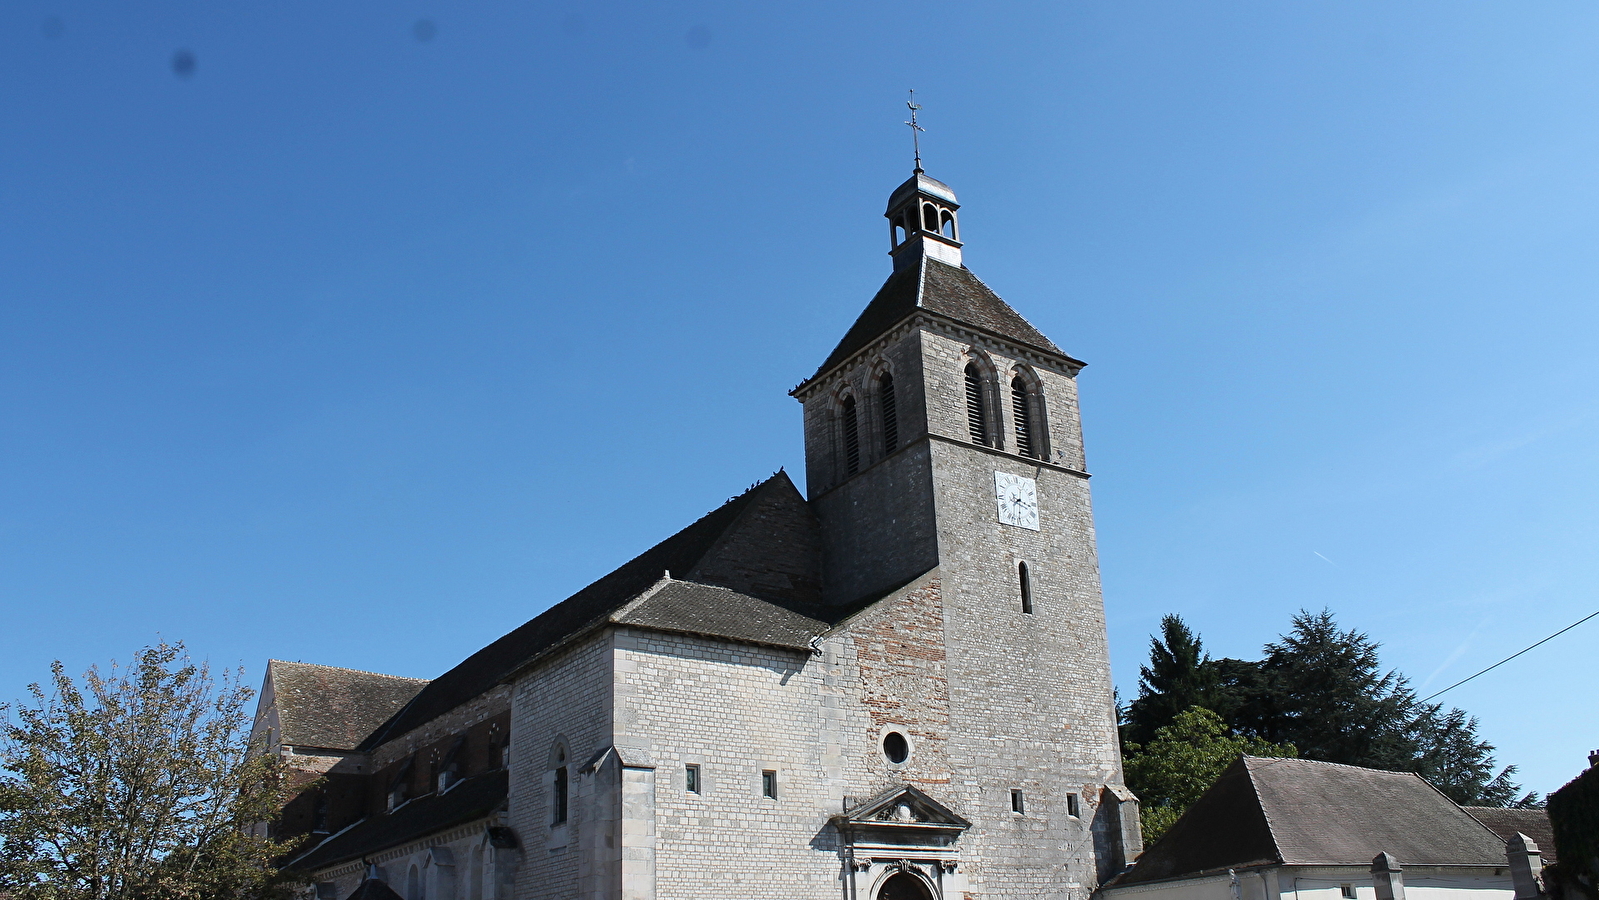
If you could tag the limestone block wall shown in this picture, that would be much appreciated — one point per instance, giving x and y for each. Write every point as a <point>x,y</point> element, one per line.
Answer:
<point>562,704</point>
<point>877,526</point>
<point>1031,706</point>
<point>900,678</point>
<point>897,353</point>
<point>945,353</point>
<point>736,711</point>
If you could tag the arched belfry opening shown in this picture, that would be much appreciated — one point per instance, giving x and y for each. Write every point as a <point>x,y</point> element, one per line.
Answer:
<point>904,886</point>
<point>922,222</point>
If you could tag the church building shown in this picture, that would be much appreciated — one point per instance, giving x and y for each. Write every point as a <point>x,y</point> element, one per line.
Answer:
<point>893,687</point>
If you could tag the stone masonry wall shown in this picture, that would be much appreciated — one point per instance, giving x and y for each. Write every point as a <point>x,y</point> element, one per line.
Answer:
<point>877,527</point>
<point>565,701</point>
<point>903,682</point>
<point>1030,694</point>
<point>734,711</point>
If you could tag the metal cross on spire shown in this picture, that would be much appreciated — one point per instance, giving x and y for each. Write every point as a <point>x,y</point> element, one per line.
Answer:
<point>916,130</point>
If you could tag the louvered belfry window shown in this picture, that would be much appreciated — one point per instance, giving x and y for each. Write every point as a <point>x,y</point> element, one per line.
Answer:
<point>1022,406</point>
<point>852,438</point>
<point>885,393</point>
<point>976,418</point>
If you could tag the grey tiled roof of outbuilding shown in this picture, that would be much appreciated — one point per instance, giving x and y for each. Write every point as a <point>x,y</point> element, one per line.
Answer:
<point>952,292</point>
<point>1533,823</point>
<point>1309,813</point>
<point>332,708</point>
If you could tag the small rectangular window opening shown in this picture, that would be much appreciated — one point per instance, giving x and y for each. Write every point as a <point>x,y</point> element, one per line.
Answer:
<point>1026,577</point>
<point>1347,891</point>
<point>1017,804</point>
<point>1071,805</point>
<point>691,779</point>
<point>769,784</point>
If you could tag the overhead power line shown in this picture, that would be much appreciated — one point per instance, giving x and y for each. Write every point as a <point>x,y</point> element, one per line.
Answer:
<point>1516,654</point>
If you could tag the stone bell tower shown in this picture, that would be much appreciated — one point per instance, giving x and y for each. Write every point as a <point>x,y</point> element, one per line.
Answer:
<point>942,435</point>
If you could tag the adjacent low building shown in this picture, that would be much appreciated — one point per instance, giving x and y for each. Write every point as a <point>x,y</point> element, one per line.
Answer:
<point>1279,828</point>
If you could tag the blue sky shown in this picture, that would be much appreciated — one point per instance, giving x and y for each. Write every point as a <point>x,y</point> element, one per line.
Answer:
<point>393,323</point>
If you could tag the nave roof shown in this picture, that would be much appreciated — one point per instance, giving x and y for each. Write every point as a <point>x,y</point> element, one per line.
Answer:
<point>748,571</point>
<point>330,708</point>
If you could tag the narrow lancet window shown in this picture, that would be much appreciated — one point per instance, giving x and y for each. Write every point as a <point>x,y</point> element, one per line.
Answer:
<point>1025,576</point>
<point>885,393</point>
<point>559,789</point>
<point>976,416</point>
<point>852,438</point>
<point>1022,407</point>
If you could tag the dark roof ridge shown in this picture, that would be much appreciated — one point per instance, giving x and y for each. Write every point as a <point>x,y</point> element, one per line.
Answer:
<point>1323,762</point>
<point>295,662</point>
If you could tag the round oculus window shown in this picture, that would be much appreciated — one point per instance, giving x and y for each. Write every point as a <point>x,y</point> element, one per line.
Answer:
<point>896,748</point>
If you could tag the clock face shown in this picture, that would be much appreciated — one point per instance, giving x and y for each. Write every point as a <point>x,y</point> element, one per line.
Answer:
<point>1017,498</point>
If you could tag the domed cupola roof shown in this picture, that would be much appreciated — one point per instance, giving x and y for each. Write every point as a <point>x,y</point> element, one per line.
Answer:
<point>920,183</point>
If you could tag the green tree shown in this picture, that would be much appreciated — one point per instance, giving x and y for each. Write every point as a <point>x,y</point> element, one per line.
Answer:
<point>1324,691</point>
<point>1182,761</point>
<point>1329,697</point>
<point>1179,675</point>
<point>1457,762</point>
<point>138,785</point>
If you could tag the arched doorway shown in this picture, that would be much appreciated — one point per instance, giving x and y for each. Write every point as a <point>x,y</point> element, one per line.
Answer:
<point>904,886</point>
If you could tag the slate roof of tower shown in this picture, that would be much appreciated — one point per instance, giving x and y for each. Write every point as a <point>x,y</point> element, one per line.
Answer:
<point>763,547</point>
<point>472,798</point>
<point>1533,823</point>
<point>1306,813</point>
<point>952,292</point>
<point>333,708</point>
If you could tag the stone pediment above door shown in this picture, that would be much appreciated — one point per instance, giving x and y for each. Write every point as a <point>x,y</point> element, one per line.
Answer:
<point>902,816</point>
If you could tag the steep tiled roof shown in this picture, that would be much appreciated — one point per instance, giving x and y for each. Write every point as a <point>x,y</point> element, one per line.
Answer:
<point>764,543</point>
<point>689,608</point>
<point>952,292</point>
<point>1306,813</point>
<point>472,798</point>
<point>333,708</point>
<point>1533,823</point>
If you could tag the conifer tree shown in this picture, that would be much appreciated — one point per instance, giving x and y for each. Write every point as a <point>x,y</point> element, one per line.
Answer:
<point>1323,691</point>
<point>1179,675</point>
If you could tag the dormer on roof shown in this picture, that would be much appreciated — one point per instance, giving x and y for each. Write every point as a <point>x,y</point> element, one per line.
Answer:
<point>922,222</point>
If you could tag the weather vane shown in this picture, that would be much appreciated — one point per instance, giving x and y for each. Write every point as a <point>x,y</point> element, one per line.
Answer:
<point>916,140</point>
